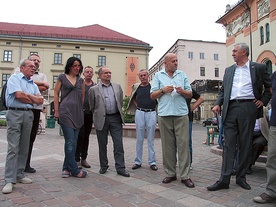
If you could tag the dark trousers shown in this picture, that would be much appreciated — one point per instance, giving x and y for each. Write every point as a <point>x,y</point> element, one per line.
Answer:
<point>113,124</point>
<point>238,131</point>
<point>33,134</point>
<point>259,142</point>
<point>83,138</point>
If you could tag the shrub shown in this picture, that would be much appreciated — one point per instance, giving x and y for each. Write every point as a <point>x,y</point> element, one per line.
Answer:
<point>3,123</point>
<point>127,118</point>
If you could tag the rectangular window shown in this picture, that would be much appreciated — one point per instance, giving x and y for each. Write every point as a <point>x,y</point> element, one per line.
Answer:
<point>216,72</point>
<point>7,56</point>
<point>202,71</point>
<point>54,80</point>
<point>31,53</point>
<point>190,55</point>
<point>216,57</point>
<point>101,60</point>
<point>5,78</point>
<point>58,58</point>
<point>77,56</point>
<point>201,55</point>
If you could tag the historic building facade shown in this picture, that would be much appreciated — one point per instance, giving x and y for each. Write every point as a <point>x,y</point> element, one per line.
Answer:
<point>252,22</point>
<point>95,45</point>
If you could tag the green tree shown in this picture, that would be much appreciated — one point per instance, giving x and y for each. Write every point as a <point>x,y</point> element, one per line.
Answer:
<point>127,118</point>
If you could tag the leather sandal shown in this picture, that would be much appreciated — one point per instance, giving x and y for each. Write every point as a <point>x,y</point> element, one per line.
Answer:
<point>82,174</point>
<point>65,174</point>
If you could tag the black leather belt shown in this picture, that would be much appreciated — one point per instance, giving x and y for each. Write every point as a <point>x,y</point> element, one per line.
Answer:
<point>241,100</point>
<point>146,110</point>
<point>19,109</point>
<point>112,114</point>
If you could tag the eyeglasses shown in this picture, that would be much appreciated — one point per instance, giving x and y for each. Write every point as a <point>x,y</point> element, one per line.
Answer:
<point>30,66</point>
<point>88,72</point>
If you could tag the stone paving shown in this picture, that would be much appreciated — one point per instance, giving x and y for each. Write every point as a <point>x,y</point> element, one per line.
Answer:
<point>143,189</point>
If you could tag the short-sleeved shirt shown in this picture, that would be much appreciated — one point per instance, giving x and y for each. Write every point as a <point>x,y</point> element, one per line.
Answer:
<point>272,121</point>
<point>18,82</point>
<point>171,104</point>
<point>143,98</point>
<point>70,108</point>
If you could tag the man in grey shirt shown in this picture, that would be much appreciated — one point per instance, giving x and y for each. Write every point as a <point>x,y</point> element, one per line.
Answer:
<point>106,101</point>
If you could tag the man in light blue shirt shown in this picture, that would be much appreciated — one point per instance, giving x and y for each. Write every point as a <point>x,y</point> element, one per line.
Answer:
<point>171,87</point>
<point>22,93</point>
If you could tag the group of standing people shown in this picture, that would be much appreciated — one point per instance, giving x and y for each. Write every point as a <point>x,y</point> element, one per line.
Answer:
<point>246,89</point>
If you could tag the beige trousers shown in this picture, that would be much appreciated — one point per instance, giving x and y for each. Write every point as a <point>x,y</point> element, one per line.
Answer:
<point>174,132</point>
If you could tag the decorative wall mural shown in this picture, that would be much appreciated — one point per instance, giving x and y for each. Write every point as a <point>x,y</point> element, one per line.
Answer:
<point>263,8</point>
<point>238,24</point>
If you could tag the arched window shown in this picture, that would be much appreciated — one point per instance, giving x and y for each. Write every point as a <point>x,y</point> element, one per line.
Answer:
<point>261,35</point>
<point>267,33</point>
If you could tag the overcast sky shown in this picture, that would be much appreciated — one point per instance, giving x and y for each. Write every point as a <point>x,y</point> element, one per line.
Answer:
<point>159,23</point>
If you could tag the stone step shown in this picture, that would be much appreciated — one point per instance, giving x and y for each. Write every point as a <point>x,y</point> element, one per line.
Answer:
<point>129,130</point>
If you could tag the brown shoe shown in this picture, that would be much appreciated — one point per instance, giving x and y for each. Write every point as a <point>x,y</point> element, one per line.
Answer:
<point>169,179</point>
<point>85,164</point>
<point>189,183</point>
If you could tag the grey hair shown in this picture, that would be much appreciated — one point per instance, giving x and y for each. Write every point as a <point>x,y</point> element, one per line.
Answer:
<point>35,54</point>
<point>101,68</point>
<point>141,70</point>
<point>243,46</point>
<point>23,62</point>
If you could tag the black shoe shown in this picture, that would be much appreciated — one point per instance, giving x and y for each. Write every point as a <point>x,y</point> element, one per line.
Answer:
<point>154,167</point>
<point>30,170</point>
<point>103,170</point>
<point>217,186</point>
<point>123,173</point>
<point>135,166</point>
<point>244,185</point>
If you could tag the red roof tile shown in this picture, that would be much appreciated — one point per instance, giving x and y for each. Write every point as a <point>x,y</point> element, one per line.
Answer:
<point>92,32</point>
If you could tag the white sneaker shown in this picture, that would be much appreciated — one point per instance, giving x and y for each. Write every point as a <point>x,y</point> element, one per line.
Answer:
<point>24,180</point>
<point>7,188</point>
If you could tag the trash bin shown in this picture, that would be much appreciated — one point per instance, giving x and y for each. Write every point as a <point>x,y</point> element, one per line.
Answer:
<point>51,122</point>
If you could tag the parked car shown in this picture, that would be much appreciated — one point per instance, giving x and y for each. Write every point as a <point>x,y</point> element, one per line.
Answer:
<point>3,114</point>
<point>210,121</point>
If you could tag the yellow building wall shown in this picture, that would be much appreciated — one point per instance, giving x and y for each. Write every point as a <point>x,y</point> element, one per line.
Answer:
<point>116,58</point>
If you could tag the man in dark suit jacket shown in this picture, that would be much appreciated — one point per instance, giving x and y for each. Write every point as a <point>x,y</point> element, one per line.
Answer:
<point>245,90</point>
<point>106,101</point>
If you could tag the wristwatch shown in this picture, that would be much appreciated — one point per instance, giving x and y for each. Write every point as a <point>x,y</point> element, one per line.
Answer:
<point>161,90</point>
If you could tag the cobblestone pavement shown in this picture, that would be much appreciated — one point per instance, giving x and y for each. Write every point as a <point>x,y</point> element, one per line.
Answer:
<point>143,189</point>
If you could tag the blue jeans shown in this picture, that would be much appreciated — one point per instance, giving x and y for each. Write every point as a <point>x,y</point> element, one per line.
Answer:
<point>145,121</point>
<point>71,138</point>
<point>190,141</point>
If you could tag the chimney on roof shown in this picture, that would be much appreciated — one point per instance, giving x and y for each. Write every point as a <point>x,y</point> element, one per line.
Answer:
<point>228,8</point>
